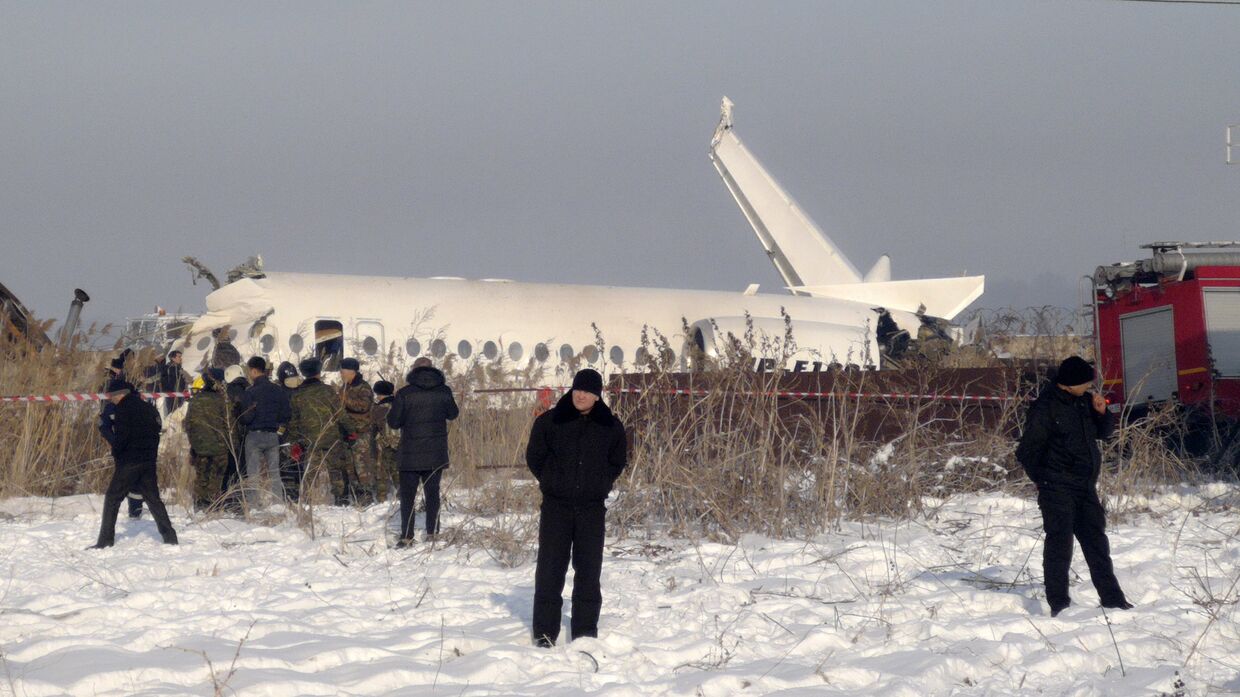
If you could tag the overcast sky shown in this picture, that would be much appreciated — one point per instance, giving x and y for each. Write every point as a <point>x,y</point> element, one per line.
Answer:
<point>1027,140</point>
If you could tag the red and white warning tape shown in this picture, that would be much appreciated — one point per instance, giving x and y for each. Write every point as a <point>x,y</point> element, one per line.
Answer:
<point>797,394</point>
<point>84,397</point>
<point>682,391</point>
<point>786,394</point>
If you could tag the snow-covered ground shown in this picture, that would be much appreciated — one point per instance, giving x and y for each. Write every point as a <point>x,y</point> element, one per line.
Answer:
<point>949,605</point>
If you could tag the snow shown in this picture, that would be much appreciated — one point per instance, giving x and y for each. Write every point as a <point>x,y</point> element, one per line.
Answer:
<point>950,604</point>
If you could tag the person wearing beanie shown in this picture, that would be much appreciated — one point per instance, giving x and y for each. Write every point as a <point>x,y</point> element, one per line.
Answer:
<point>135,445</point>
<point>382,441</point>
<point>314,434</point>
<point>1059,451</point>
<point>265,412</point>
<point>421,411</point>
<point>577,451</point>
<point>107,413</point>
<point>356,401</point>
<point>207,424</point>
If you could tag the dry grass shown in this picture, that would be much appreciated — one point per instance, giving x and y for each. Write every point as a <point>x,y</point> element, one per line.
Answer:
<point>733,461</point>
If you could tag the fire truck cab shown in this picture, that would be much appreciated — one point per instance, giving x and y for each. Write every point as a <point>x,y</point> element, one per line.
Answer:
<point>1167,328</point>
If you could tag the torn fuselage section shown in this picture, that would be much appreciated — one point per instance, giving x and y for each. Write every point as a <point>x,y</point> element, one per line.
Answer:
<point>236,314</point>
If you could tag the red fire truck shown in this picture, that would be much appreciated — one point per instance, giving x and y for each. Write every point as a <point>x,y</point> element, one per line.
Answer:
<point>1167,328</point>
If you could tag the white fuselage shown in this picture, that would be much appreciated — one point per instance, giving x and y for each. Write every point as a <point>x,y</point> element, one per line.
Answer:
<point>404,316</point>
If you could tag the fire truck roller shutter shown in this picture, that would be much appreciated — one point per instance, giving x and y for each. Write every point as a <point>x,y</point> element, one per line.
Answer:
<point>1149,355</point>
<point>1223,329</point>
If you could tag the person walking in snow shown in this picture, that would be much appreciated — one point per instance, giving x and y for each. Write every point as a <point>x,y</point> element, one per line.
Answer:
<point>576,452</point>
<point>107,412</point>
<point>1059,451</point>
<point>135,445</point>
<point>421,410</point>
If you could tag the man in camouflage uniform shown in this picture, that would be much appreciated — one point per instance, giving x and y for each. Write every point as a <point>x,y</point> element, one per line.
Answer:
<point>357,399</point>
<point>314,430</point>
<point>208,423</point>
<point>383,441</point>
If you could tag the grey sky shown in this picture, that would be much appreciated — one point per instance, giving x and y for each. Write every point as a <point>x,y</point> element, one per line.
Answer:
<point>1030,141</point>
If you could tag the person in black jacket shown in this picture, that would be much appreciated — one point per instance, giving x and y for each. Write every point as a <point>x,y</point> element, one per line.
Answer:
<point>265,411</point>
<point>116,372</point>
<point>576,452</point>
<point>1059,451</point>
<point>135,447</point>
<point>421,410</point>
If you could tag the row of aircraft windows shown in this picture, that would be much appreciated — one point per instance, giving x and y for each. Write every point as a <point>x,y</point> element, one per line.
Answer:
<point>329,341</point>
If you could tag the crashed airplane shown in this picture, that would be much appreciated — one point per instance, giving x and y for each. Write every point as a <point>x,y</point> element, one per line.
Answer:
<point>836,313</point>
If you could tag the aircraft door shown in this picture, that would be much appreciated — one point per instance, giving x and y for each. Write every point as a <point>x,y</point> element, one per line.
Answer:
<point>329,343</point>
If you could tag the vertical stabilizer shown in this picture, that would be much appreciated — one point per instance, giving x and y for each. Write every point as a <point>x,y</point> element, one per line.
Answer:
<point>802,254</point>
<point>881,271</point>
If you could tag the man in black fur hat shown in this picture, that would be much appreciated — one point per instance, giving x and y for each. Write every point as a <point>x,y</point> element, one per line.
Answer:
<point>1059,451</point>
<point>577,450</point>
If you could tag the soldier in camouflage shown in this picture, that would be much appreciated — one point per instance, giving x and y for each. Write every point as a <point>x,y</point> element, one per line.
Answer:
<point>208,423</point>
<point>314,430</point>
<point>357,399</point>
<point>383,441</point>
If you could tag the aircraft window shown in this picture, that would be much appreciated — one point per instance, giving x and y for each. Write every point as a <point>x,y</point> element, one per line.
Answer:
<point>542,353</point>
<point>296,343</point>
<point>515,351</point>
<point>329,343</point>
<point>464,349</point>
<point>267,343</point>
<point>668,356</point>
<point>641,356</point>
<point>591,353</point>
<point>490,350</point>
<point>370,346</point>
<point>617,355</point>
<point>203,343</point>
<point>438,348</point>
<point>412,347</point>
<point>566,353</point>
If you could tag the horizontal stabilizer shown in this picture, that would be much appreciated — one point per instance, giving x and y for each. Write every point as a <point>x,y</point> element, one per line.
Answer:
<point>942,297</point>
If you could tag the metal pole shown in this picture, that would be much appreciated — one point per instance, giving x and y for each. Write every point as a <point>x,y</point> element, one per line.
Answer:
<point>80,298</point>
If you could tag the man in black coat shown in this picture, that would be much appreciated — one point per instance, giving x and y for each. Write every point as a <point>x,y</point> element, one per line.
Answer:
<point>1059,451</point>
<point>576,452</point>
<point>116,372</point>
<point>265,412</point>
<point>135,446</point>
<point>421,410</point>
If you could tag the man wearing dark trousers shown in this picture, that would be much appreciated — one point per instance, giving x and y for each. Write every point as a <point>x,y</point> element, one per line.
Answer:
<point>265,412</point>
<point>1059,451</point>
<point>135,447</point>
<point>421,410</point>
<point>116,372</point>
<point>577,450</point>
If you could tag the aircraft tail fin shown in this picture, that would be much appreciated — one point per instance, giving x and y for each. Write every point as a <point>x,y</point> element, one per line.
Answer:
<point>802,254</point>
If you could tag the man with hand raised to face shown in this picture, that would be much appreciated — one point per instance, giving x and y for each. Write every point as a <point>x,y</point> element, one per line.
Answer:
<point>577,450</point>
<point>1059,451</point>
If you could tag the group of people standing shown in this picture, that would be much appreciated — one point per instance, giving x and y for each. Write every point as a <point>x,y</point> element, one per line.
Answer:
<point>370,440</point>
